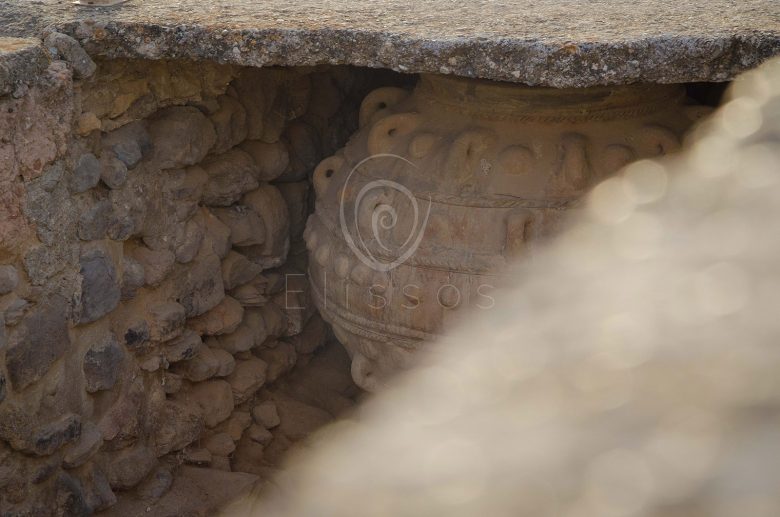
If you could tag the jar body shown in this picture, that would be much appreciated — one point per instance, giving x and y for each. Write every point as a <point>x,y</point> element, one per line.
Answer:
<point>441,188</point>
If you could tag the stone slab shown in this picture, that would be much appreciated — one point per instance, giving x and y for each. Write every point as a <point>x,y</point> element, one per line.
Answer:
<point>560,43</point>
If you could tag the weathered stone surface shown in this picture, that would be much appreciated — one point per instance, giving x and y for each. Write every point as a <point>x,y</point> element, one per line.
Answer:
<point>238,270</point>
<point>241,340</point>
<point>113,171</point>
<point>220,444</point>
<point>181,136</point>
<point>215,399</point>
<point>203,366</point>
<point>86,174</point>
<point>268,203</point>
<point>312,337</point>
<point>299,420</point>
<point>230,176</point>
<point>271,159</point>
<point>549,44</point>
<point>9,279</point>
<point>246,227</point>
<point>179,424</point>
<point>155,486</point>
<point>280,359</point>
<point>222,319</point>
<point>102,364</point>
<point>94,221</point>
<point>70,50</point>
<point>230,124</point>
<point>128,143</point>
<point>266,415</point>
<point>129,466</point>
<point>217,233</point>
<point>235,426</point>
<point>22,60</point>
<point>156,264</point>
<point>133,277</point>
<point>100,291</point>
<point>183,347</point>
<point>88,444</point>
<point>40,438</point>
<point>248,377</point>
<point>37,342</point>
<point>260,434</point>
<point>199,286</point>
<point>166,321</point>
<point>97,491</point>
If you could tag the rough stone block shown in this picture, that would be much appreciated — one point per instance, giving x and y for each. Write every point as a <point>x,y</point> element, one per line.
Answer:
<point>82,451</point>
<point>198,286</point>
<point>271,159</point>
<point>183,347</point>
<point>9,279</point>
<point>246,227</point>
<point>238,270</point>
<point>220,444</point>
<point>248,377</point>
<point>215,399</point>
<point>128,467</point>
<point>129,143</point>
<point>156,264</point>
<point>313,336</point>
<point>260,434</point>
<point>103,364</point>
<point>241,340</point>
<point>269,204</point>
<point>37,342</point>
<point>113,171</point>
<point>235,426</point>
<point>133,277</point>
<point>229,121</point>
<point>231,175</point>
<point>217,234</point>
<point>280,359</point>
<point>100,290</point>
<point>94,221</point>
<point>86,174</point>
<point>155,485</point>
<point>181,136</point>
<point>266,414</point>
<point>177,425</point>
<point>203,366</point>
<point>70,50</point>
<point>222,319</point>
<point>166,321</point>
<point>97,491</point>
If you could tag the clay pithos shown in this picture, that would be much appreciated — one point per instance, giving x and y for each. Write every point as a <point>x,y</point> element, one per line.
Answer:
<point>442,187</point>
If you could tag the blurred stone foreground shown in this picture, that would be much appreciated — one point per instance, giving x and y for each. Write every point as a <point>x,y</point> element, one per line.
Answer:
<point>633,370</point>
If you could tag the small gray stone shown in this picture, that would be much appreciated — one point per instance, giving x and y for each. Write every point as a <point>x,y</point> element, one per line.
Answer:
<point>129,143</point>
<point>177,425</point>
<point>93,222</point>
<point>113,171</point>
<point>100,290</point>
<point>102,364</point>
<point>156,264</point>
<point>9,279</point>
<point>86,174</point>
<point>120,226</point>
<point>97,492</point>
<point>70,50</point>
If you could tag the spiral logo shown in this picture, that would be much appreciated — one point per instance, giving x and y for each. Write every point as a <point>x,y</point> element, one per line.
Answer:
<point>374,217</point>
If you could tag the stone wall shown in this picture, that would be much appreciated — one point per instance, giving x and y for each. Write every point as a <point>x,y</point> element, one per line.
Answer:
<point>152,266</point>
